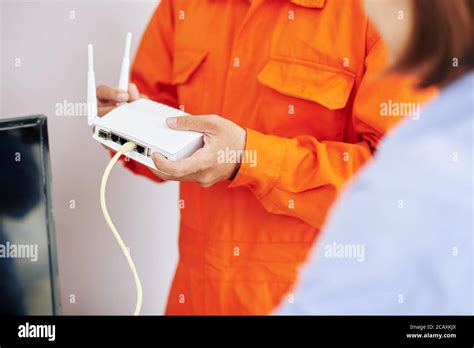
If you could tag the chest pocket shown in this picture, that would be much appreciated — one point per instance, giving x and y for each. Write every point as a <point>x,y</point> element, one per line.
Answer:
<point>327,86</point>
<point>317,95</point>
<point>188,76</point>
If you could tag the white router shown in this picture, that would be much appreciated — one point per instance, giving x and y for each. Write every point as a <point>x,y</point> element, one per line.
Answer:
<point>142,122</point>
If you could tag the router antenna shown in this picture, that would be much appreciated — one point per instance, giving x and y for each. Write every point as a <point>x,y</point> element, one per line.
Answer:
<point>91,92</point>
<point>125,71</point>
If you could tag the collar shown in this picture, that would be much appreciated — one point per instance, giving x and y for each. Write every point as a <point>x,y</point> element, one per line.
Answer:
<point>309,3</point>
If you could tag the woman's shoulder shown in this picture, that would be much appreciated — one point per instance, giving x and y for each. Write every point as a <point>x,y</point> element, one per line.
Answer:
<point>429,158</point>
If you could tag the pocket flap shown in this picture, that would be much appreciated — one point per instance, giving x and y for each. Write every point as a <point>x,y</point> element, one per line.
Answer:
<point>185,63</point>
<point>325,85</point>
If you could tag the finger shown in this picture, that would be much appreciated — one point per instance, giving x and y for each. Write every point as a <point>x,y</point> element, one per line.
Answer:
<point>204,124</point>
<point>197,162</point>
<point>167,177</point>
<point>107,93</point>
<point>106,103</point>
<point>206,179</point>
<point>133,92</point>
<point>164,176</point>
<point>161,175</point>
<point>103,110</point>
<point>207,185</point>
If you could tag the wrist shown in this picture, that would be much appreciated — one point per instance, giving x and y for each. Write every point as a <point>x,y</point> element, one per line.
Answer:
<point>240,150</point>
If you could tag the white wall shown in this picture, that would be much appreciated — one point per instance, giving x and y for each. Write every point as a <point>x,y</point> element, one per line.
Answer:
<point>52,48</point>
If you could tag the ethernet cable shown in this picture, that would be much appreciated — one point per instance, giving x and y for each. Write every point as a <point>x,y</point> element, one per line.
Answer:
<point>127,147</point>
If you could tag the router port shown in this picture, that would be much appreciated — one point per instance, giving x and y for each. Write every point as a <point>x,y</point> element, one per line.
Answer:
<point>114,137</point>
<point>122,141</point>
<point>103,134</point>
<point>140,149</point>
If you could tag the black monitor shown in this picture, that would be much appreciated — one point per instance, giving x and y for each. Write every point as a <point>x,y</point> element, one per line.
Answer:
<point>28,261</point>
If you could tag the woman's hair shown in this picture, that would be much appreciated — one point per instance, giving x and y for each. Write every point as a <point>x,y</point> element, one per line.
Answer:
<point>441,47</point>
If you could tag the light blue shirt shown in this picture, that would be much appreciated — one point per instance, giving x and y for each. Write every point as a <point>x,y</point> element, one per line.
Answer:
<point>400,240</point>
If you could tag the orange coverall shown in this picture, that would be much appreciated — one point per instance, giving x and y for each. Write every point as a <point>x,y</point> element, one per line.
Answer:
<point>303,78</point>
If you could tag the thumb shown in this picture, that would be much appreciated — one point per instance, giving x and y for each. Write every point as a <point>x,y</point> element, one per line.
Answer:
<point>203,124</point>
<point>133,92</point>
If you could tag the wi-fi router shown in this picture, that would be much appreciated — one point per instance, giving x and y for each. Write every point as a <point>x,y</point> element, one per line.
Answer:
<point>142,122</point>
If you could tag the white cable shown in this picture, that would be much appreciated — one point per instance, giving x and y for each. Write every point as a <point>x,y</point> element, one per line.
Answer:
<point>127,147</point>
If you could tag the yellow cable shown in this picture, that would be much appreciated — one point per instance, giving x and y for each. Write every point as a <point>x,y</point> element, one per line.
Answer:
<point>124,149</point>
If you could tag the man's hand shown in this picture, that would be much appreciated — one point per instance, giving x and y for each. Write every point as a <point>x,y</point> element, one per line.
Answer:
<point>108,97</point>
<point>207,165</point>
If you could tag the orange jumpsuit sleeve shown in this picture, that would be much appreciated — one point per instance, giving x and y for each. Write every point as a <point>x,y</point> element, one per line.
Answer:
<point>152,68</point>
<point>302,176</point>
